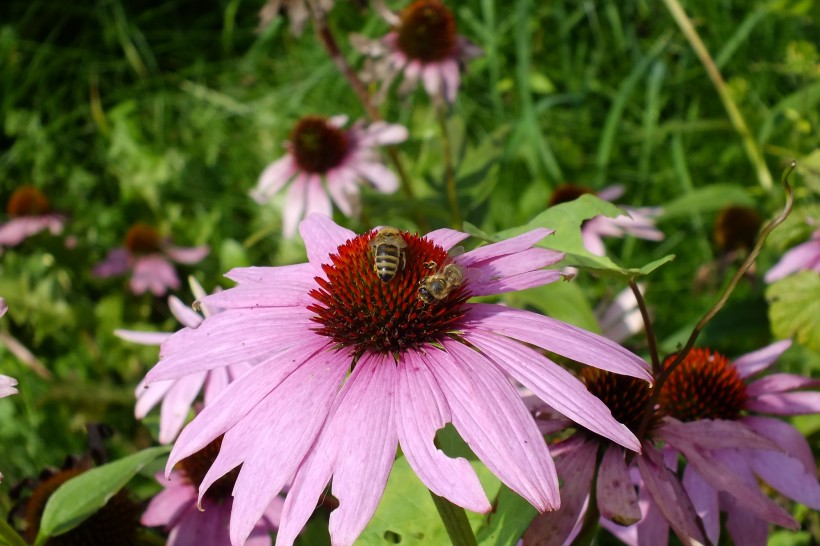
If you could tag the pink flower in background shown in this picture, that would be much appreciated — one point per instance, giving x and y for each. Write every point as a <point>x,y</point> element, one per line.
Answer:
<point>29,213</point>
<point>803,256</point>
<point>149,259</point>
<point>423,44</point>
<point>638,222</point>
<point>178,395</point>
<point>417,361</point>
<point>621,318</point>
<point>7,383</point>
<point>175,507</point>
<point>324,162</point>
<point>298,12</point>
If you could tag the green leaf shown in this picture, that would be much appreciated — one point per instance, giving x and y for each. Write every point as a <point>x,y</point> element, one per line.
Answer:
<point>794,308</point>
<point>509,520</point>
<point>80,497</point>
<point>709,198</point>
<point>566,220</point>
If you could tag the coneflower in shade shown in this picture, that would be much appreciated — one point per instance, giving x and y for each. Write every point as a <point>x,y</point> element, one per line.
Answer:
<point>424,44</point>
<point>29,213</point>
<point>178,395</point>
<point>324,161</point>
<point>415,367</point>
<point>175,507</point>
<point>709,398</point>
<point>298,12</point>
<point>803,256</point>
<point>148,257</point>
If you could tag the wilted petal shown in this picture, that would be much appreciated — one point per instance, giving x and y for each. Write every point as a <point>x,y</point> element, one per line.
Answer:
<point>705,499</point>
<point>711,434</point>
<point>787,438</point>
<point>617,499</point>
<point>743,526</point>
<point>789,403</point>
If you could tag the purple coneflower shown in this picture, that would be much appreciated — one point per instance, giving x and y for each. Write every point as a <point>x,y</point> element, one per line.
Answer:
<point>638,222</point>
<point>324,162</point>
<point>424,44</point>
<point>297,416</point>
<point>803,256</point>
<point>29,213</point>
<point>148,257</point>
<point>176,507</point>
<point>178,395</point>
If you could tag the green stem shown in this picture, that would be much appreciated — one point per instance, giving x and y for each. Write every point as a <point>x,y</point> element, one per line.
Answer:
<point>647,324</point>
<point>449,171</point>
<point>688,30</point>
<point>455,522</point>
<point>9,535</point>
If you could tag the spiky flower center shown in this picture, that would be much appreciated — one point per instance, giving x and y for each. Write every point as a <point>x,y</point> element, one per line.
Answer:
<point>427,31</point>
<point>142,239</point>
<point>704,386</point>
<point>27,201</point>
<point>194,467</point>
<point>318,145</point>
<point>626,397</point>
<point>566,193</point>
<point>357,309</point>
<point>736,228</point>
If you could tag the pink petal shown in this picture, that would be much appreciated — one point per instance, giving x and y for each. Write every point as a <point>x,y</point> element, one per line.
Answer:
<point>785,436</point>
<point>295,201</point>
<point>385,133</point>
<point>170,503</point>
<point>273,179</point>
<point>289,274</point>
<point>322,237</point>
<point>446,238</point>
<point>513,245</point>
<point>787,475</point>
<point>492,419</point>
<point>711,434</point>
<point>432,80</point>
<point>148,397</point>
<point>751,363</point>
<point>143,338</point>
<point>207,528</point>
<point>155,273</point>
<point>590,234</point>
<point>803,256</point>
<point>3,307</point>
<point>513,283</point>
<point>744,528</point>
<point>575,467</point>
<point>187,255</point>
<point>705,500</point>
<point>780,382</point>
<point>184,314</point>
<point>215,381</point>
<point>115,263</point>
<point>558,337</point>
<point>526,261</point>
<point>554,385</point>
<point>177,404</point>
<point>617,499</point>
<point>281,292</point>
<point>318,201</point>
<point>18,229</point>
<point>611,193</point>
<point>451,78</point>
<point>790,403</point>
<point>341,190</point>
<point>382,178</point>
<point>422,410</point>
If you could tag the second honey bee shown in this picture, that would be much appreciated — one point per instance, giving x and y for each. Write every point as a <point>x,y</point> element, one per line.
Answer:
<point>387,248</point>
<point>439,285</point>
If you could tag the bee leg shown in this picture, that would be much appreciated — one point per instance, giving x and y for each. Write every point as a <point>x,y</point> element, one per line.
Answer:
<point>431,264</point>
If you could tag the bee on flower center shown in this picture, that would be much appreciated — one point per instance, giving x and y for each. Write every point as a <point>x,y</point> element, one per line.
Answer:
<point>439,285</point>
<point>387,248</point>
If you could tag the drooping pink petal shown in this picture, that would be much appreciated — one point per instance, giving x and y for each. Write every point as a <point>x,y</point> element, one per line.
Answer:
<point>167,505</point>
<point>611,192</point>
<point>705,499</point>
<point>382,178</point>
<point>575,466</point>
<point>554,385</point>
<point>339,188</point>
<point>16,230</point>
<point>187,255</point>
<point>789,403</point>
<point>318,201</point>
<point>176,405</point>
<point>273,179</point>
<point>743,527</point>
<point>558,337</point>
<point>381,133</point>
<point>115,263</point>
<point>446,238</point>
<point>512,245</point>
<point>787,475</point>
<point>803,256</point>
<point>492,419</point>
<point>422,410</point>
<point>7,386</point>
<point>155,273</point>
<point>295,202</point>
<point>183,313</point>
<point>711,434</point>
<point>148,397</point>
<point>451,78</point>
<point>787,438</point>
<point>322,237</point>
<point>432,79</point>
<point>617,499</point>
<point>780,382</point>
<point>143,338</point>
<point>207,528</point>
<point>757,361</point>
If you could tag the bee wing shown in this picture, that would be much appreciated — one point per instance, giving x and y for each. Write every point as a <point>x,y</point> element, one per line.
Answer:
<point>456,251</point>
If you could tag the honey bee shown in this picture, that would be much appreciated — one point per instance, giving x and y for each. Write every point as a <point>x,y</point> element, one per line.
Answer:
<point>438,286</point>
<point>388,253</point>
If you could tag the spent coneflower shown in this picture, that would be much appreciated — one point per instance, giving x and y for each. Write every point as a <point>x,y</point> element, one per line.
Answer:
<point>188,522</point>
<point>423,45</point>
<point>324,161</point>
<point>349,363</point>
<point>148,256</point>
<point>177,396</point>
<point>29,213</point>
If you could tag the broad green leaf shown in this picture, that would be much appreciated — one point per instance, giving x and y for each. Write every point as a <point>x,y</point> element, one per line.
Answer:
<point>80,497</point>
<point>709,198</point>
<point>507,523</point>
<point>794,308</point>
<point>796,228</point>
<point>566,220</point>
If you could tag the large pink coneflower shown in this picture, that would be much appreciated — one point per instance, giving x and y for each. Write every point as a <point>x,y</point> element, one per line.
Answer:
<point>29,213</point>
<point>297,416</point>
<point>638,221</point>
<point>176,508</point>
<point>803,256</point>
<point>423,45</point>
<point>178,395</point>
<point>149,258</point>
<point>324,162</point>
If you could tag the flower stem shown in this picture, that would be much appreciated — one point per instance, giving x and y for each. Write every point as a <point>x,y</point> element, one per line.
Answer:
<point>647,323</point>
<point>736,118</point>
<point>9,535</point>
<point>449,171</point>
<point>455,522</point>
<point>724,297</point>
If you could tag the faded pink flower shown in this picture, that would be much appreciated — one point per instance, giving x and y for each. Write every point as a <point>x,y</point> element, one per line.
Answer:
<point>148,258</point>
<point>29,213</point>
<point>324,162</point>
<point>803,256</point>
<point>175,507</point>
<point>178,395</point>
<point>423,44</point>
<point>297,416</point>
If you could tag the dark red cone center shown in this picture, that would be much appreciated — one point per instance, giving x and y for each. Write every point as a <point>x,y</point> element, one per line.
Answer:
<point>736,228</point>
<point>194,468</point>
<point>27,201</point>
<point>566,193</point>
<point>626,397</point>
<point>427,31</point>
<point>142,239</point>
<point>318,145</point>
